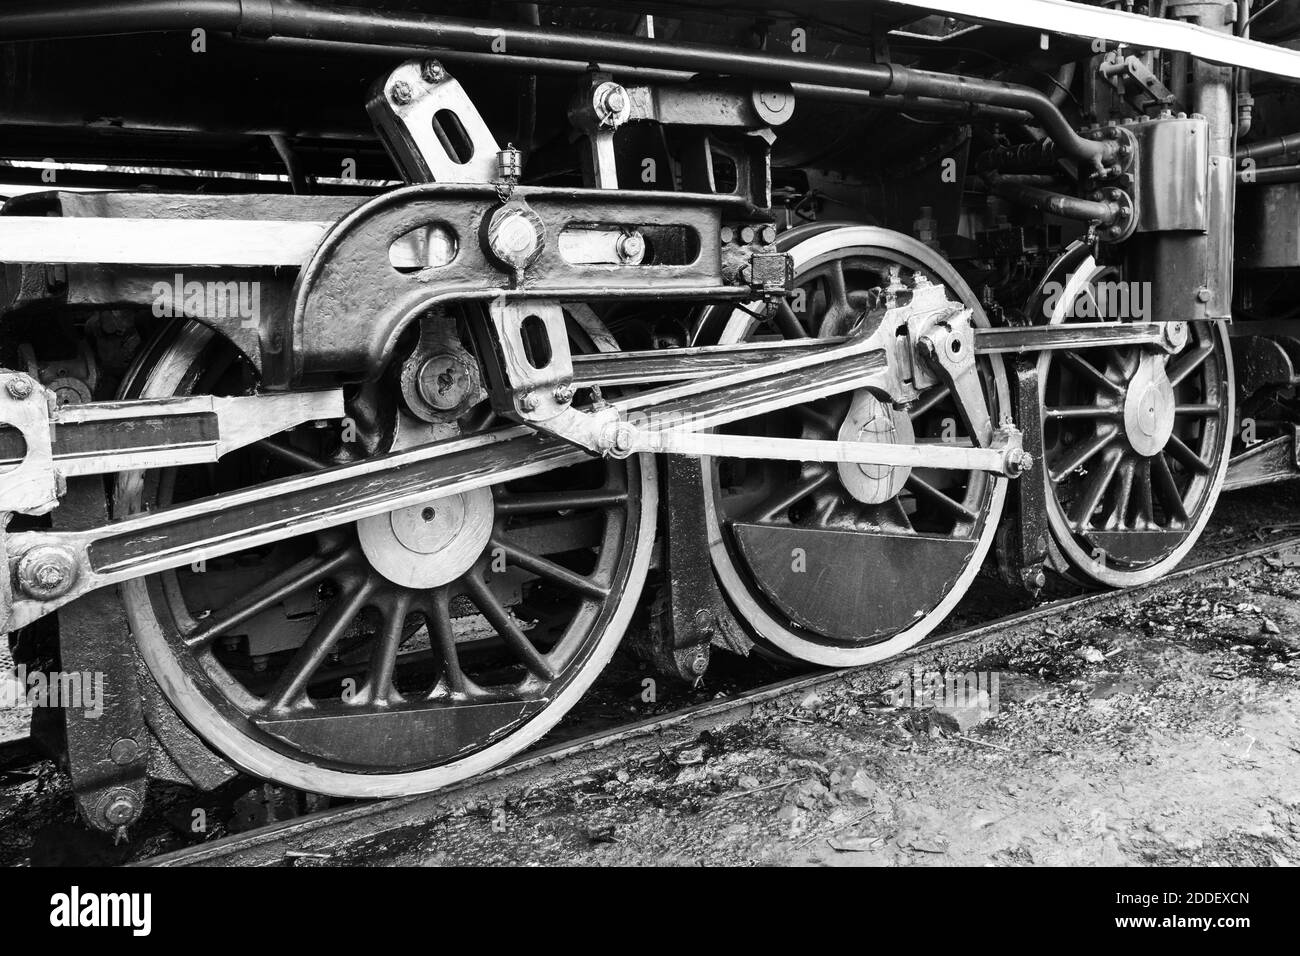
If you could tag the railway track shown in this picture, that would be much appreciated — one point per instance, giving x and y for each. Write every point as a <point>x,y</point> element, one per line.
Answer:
<point>319,837</point>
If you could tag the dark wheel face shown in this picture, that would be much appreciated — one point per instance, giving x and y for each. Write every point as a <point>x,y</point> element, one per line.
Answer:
<point>400,653</point>
<point>846,564</point>
<point>1136,442</point>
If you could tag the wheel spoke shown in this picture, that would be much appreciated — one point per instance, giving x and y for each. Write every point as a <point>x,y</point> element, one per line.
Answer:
<point>305,573</point>
<point>559,501</point>
<point>1206,410</point>
<point>500,618</point>
<point>837,285</point>
<point>950,506</point>
<point>383,660</point>
<point>290,455</point>
<point>1094,490</point>
<point>788,323</point>
<point>1081,453</point>
<point>1091,372</point>
<point>1188,363</point>
<point>1146,514</point>
<point>1123,493</point>
<point>291,686</point>
<point>1186,456</point>
<point>927,402</point>
<point>438,616</point>
<point>1167,488</point>
<point>550,570</point>
<point>1090,412</point>
<point>793,496</point>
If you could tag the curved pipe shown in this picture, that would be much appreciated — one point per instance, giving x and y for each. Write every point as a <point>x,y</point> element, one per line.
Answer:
<point>1027,193</point>
<point>52,19</point>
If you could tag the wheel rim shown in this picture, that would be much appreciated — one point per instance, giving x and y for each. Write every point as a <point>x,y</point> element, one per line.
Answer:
<point>937,530</point>
<point>1136,444</point>
<point>388,689</point>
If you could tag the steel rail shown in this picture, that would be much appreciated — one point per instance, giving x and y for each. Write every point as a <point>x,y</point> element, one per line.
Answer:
<point>320,835</point>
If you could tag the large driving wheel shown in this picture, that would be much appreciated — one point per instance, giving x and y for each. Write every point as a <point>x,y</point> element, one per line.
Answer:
<point>834,566</point>
<point>401,653</point>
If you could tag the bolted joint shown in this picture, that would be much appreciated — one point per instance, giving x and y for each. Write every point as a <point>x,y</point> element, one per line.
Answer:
<point>630,247</point>
<point>19,387</point>
<point>617,440</point>
<point>1017,462</point>
<point>47,572</point>
<point>401,93</point>
<point>611,104</point>
<point>432,71</point>
<point>119,808</point>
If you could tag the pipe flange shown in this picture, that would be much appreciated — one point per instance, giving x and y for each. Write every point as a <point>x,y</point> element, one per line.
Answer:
<point>1125,223</point>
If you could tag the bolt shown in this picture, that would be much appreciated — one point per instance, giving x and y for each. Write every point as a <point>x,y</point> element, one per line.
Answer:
<point>19,387</point>
<point>431,71</point>
<point>699,664</point>
<point>123,751</point>
<point>630,246</point>
<point>616,439</point>
<point>747,234</point>
<point>1034,579</point>
<point>1203,294</point>
<point>120,808</point>
<point>528,402</point>
<point>46,572</point>
<point>1018,462</point>
<point>563,394</point>
<point>401,93</point>
<point>727,235</point>
<point>768,234</point>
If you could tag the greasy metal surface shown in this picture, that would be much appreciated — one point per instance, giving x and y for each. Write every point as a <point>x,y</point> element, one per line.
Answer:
<point>108,750</point>
<point>351,303</point>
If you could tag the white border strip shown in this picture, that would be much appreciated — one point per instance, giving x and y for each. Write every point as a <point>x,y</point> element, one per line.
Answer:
<point>1099,23</point>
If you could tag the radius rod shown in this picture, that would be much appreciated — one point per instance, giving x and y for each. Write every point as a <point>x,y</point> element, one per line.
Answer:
<point>266,19</point>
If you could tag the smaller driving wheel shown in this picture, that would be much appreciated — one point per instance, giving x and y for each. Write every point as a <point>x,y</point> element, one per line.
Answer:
<point>843,565</point>
<point>1136,440</point>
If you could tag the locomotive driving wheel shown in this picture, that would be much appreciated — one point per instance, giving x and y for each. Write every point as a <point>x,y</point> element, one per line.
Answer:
<point>403,652</point>
<point>1136,441</point>
<point>844,565</point>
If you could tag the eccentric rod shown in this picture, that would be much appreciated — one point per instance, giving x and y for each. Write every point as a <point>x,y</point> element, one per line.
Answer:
<point>55,19</point>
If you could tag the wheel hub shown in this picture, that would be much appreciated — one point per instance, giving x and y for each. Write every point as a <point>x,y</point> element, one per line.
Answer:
<point>429,544</point>
<point>871,420</point>
<point>1149,407</point>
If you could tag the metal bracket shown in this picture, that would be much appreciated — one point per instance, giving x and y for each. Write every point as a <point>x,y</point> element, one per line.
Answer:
<point>107,746</point>
<point>431,128</point>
